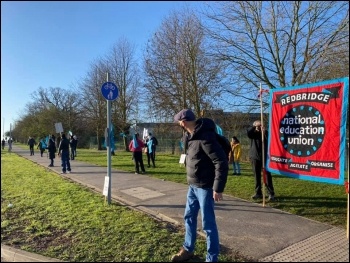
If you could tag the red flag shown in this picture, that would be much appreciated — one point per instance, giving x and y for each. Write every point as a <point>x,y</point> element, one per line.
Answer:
<point>262,91</point>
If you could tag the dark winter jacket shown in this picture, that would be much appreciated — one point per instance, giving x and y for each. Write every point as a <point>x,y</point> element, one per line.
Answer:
<point>64,145</point>
<point>52,148</point>
<point>206,161</point>
<point>31,142</point>
<point>256,143</point>
<point>73,143</point>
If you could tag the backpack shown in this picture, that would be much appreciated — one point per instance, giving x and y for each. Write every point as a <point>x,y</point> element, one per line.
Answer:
<point>225,144</point>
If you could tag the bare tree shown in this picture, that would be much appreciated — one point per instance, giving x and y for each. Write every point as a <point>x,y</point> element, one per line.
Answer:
<point>179,72</point>
<point>94,105</point>
<point>26,125</point>
<point>277,44</point>
<point>335,62</point>
<point>49,106</point>
<point>125,74</point>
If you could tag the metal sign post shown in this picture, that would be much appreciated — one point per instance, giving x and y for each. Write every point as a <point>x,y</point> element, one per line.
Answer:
<point>110,92</point>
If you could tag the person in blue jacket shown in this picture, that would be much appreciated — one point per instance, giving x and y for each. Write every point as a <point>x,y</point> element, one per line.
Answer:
<point>151,144</point>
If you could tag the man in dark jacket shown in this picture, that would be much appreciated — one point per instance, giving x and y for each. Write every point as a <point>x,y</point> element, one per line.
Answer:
<point>256,159</point>
<point>63,151</point>
<point>207,169</point>
<point>3,143</point>
<point>31,143</point>
<point>52,149</point>
<point>73,146</point>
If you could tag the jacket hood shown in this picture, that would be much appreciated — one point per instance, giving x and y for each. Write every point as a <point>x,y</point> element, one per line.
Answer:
<point>204,125</point>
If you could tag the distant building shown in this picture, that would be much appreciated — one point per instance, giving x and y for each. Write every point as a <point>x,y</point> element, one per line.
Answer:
<point>228,121</point>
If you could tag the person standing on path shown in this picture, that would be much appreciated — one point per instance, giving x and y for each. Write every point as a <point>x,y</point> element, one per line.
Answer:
<point>256,159</point>
<point>236,155</point>
<point>63,152</point>
<point>52,149</point>
<point>9,143</point>
<point>31,143</point>
<point>3,143</point>
<point>73,146</point>
<point>41,146</point>
<point>207,169</point>
<point>135,146</point>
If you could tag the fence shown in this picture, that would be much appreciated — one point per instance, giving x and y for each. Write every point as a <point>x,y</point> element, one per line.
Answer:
<point>173,146</point>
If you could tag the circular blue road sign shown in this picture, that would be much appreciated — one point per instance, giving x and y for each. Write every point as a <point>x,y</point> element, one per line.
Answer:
<point>109,91</point>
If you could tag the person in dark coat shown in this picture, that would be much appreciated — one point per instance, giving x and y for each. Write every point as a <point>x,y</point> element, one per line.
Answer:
<point>73,142</point>
<point>207,168</point>
<point>63,152</point>
<point>52,149</point>
<point>256,159</point>
<point>31,143</point>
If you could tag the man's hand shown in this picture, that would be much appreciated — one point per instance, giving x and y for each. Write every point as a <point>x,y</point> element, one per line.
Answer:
<point>217,196</point>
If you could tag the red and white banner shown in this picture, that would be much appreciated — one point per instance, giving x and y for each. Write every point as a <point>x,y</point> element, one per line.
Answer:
<point>307,131</point>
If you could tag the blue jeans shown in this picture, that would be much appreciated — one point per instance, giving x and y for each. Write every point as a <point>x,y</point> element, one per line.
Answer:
<point>236,167</point>
<point>65,161</point>
<point>73,153</point>
<point>201,198</point>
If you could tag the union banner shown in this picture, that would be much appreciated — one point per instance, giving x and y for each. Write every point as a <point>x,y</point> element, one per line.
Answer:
<point>307,131</point>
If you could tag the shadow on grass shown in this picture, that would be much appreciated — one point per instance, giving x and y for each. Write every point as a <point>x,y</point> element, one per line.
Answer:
<point>312,202</point>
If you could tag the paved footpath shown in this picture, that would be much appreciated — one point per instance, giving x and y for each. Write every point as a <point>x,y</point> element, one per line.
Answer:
<point>261,233</point>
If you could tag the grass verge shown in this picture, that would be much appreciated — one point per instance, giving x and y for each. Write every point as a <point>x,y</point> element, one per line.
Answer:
<point>42,212</point>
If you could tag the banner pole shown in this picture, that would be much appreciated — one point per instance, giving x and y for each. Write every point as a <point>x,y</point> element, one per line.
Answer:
<point>262,144</point>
